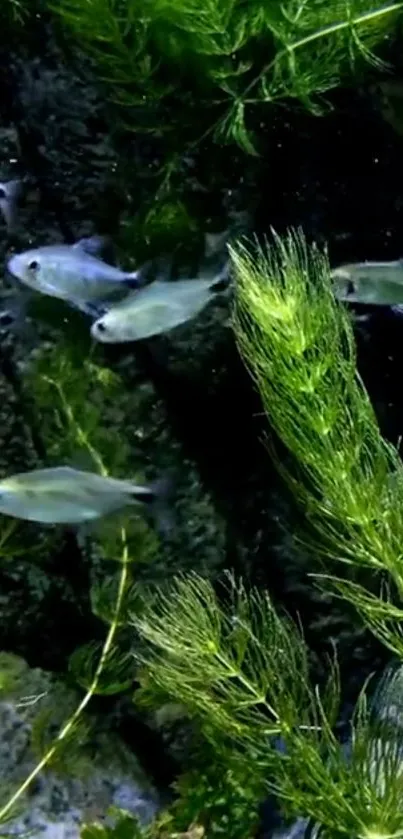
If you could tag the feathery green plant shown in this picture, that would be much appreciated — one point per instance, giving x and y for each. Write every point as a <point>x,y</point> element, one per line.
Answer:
<point>160,58</point>
<point>298,344</point>
<point>241,671</point>
<point>64,389</point>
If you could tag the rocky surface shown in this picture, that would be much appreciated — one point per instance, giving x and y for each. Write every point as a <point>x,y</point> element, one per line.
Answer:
<point>96,772</point>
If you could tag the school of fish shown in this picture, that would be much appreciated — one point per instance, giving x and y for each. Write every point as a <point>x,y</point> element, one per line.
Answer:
<point>125,308</point>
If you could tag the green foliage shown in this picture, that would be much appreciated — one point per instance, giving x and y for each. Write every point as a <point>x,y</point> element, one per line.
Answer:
<point>11,669</point>
<point>218,800</point>
<point>115,674</point>
<point>221,797</point>
<point>125,826</point>
<point>241,671</point>
<point>159,57</point>
<point>298,344</point>
<point>74,398</point>
<point>77,404</point>
<point>70,758</point>
<point>234,681</point>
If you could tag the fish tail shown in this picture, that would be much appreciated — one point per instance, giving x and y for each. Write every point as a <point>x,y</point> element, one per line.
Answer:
<point>223,281</point>
<point>158,498</point>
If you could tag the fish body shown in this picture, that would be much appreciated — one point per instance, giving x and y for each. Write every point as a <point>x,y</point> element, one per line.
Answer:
<point>63,495</point>
<point>72,273</point>
<point>156,308</point>
<point>369,283</point>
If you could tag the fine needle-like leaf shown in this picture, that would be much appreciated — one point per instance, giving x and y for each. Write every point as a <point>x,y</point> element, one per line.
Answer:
<point>241,670</point>
<point>297,341</point>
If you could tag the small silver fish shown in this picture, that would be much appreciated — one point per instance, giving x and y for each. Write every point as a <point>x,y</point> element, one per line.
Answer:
<point>63,495</point>
<point>72,273</point>
<point>157,308</point>
<point>370,283</point>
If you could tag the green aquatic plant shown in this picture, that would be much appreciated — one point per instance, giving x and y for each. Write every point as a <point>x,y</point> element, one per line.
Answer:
<point>226,55</point>
<point>298,344</point>
<point>71,394</point>
<point>241,672</point>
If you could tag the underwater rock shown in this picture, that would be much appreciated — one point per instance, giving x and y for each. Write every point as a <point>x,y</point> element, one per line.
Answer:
<point>100,772</point>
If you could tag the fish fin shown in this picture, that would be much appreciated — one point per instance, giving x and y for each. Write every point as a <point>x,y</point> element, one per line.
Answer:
<point>94,310</point>
<point>134,279</point>
<point>150,270</point>
<point>160,269</point>
<point>12,189</point>
<point>215,242</point>
<point>158,505</point>
<point>14,309</point>
<point>10,193</point>
<point>398,309</point>
<point>223,281</point>
<point>9,213</point>
<point>93,245</point>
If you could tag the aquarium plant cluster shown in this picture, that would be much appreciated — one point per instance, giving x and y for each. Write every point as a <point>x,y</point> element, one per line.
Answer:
<point>219,656</point>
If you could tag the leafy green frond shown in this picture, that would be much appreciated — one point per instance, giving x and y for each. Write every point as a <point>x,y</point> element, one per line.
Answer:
<point>74,398</point>
<point>379,612</point>
<point>124,825</point>
<point>12,669</point>
<point>231,52</point>
<point>297,342</point>
<point>241,669</point>
<point>318,44</point>
<point>103,599</point>
<point>101,672</point>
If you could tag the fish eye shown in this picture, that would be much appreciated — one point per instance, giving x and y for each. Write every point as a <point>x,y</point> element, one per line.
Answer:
<point>351,289</point>
<point>3,193</point>
<point>101,327</point>
<point>33,265</point>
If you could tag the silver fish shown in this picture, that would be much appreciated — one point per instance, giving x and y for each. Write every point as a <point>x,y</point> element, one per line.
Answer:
<point>72,273</point>
<point>371,283</point>
<point>157,308</point>
<point>63,495</point>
